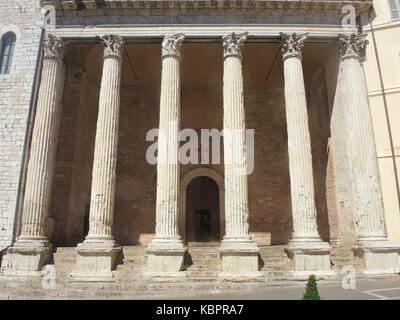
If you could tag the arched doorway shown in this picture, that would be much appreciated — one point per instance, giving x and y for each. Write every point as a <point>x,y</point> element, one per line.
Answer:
<point>202,207</point>
<point>202,211</point>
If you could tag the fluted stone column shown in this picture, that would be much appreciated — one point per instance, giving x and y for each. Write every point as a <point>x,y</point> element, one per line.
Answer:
<point>166,251</point>
<point>377,253</point>
<point>310,254</point>
<point>32,249</point>
<point>238,252</point>
<point>96,255</point>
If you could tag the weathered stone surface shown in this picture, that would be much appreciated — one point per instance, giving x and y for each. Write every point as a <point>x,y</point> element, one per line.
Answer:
<point>96,255</point>
<point>31,250</point>
<point>306,248</point>
<point>166,249</point>
<point>378,254</point>
<point>238,251</point>
<point>323,198</point>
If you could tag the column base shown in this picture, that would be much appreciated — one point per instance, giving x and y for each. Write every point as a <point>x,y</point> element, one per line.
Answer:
<point>27,256</point>
<point>165,256</point>
<point>310,258</point>
<point>95,261</point>
<point>240,260</point>
<point>379,257</point>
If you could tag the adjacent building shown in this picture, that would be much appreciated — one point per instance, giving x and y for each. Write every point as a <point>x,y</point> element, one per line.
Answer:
<point>382,78</point>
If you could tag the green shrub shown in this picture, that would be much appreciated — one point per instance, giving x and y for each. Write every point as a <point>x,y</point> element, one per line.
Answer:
<point>311,290</point>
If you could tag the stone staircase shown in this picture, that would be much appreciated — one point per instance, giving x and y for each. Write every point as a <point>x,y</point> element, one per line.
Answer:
<point>275,263</point>
<point>202,262</point>
<point>64,259</point>
<point>342,257</point>
<point>133,259</point>
<point>201,266</point>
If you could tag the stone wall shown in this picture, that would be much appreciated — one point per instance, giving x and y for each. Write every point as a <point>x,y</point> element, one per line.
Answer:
<point>23,18</point>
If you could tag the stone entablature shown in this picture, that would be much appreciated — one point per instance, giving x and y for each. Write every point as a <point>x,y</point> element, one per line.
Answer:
<point>256,32</point>
<point>207,7</point>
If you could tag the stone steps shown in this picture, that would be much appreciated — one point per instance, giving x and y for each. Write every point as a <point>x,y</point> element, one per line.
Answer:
<point>208,255</point>
<point>205,262</point>
<point>202,257</point>
<point>140,286</point>
<point>64,258</point>
<point>275,260</point>
<point>202,265</point>
<point>276,267</point>
<point>192,274</point>
<point>342,257</point>
<point>201,262</point>
<point>137,289</point>
<point>275,263</point>
<point>131,267</point>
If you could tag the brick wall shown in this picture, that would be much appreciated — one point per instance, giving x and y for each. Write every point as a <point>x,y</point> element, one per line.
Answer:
<point>318,115</point>
<point>269,188</point>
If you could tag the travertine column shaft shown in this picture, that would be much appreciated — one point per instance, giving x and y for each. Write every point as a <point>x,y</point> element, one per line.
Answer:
<point>105,152</point>
<point>309,253</point>
<point>299,146</point>
<point>365,174</point>
<point>239,254</point>
<point>43,148</point>
<point>236,192</point>
<point>167,211</point>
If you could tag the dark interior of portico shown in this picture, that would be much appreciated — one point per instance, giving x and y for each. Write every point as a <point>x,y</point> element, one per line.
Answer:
<point>201,108</point>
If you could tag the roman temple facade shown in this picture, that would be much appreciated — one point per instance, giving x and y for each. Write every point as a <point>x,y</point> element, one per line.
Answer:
<point>265,152</point>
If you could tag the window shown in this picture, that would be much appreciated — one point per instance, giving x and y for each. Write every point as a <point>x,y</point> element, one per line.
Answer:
<point>395,8</point>
<point>7,52</point>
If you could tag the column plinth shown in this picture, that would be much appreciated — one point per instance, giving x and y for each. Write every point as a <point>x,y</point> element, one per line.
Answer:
<point>166,250</point>
<point>309,253</point>
<point>239,253</point>
<point>96,255</point>
<point>378,255</point>
<point>32,248</point>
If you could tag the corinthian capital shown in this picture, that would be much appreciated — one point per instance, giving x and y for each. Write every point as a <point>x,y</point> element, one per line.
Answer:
<point>113,45</point>
<point>233,43</point>
<point>53,47</point>
<point>172,44</point>
<point>353,46</point>
<point>292,44</point>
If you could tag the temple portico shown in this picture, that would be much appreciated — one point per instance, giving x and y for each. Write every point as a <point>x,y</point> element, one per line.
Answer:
<point>91,185</point>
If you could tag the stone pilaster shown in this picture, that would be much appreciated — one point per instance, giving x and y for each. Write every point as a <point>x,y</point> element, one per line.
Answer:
<point>166,250</point>
<point>377,253</point>
<point>309,253</point>
<point>238,252</point>
<point>96,255</point>
<point>32,249</point>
